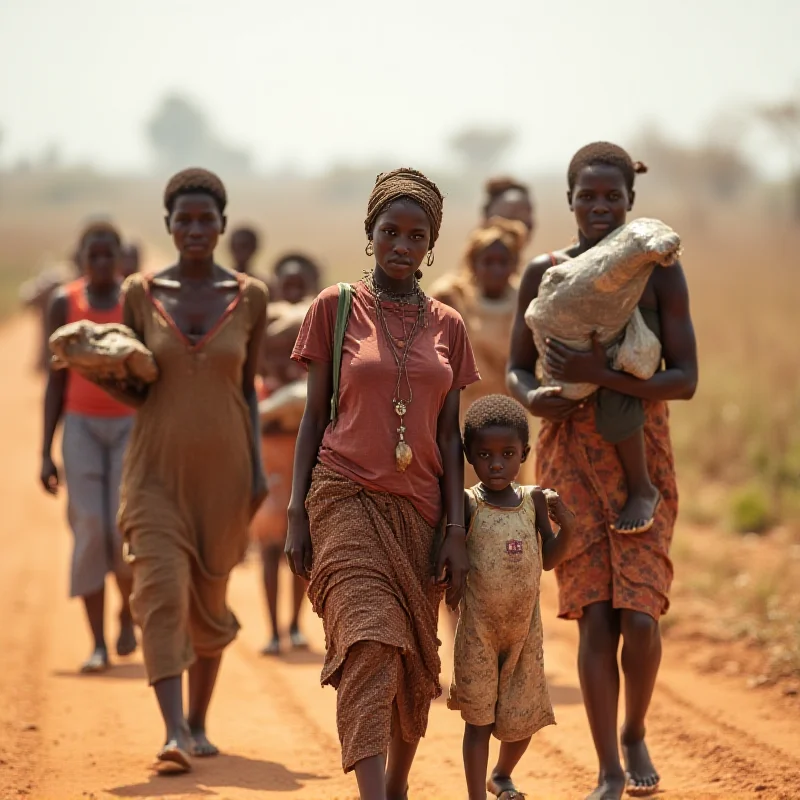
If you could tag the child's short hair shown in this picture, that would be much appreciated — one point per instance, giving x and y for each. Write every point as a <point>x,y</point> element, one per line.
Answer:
<point>495,411</point>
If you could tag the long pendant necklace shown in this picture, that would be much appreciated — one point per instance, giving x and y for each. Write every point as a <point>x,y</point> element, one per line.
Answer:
<point>403,455</point>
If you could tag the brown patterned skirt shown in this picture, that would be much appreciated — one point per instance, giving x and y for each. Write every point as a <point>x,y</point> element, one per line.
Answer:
<point>371,584</point>
<point>633,572</point>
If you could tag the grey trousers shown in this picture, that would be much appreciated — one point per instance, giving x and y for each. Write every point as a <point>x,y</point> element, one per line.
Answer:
<point>93,449</point>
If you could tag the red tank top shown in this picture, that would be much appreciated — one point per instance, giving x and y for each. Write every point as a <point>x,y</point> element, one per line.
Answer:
<point>82,396</point>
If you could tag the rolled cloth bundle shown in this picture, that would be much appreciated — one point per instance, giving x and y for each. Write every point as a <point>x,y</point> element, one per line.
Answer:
<point>599,291</point>
<point>103,352</point>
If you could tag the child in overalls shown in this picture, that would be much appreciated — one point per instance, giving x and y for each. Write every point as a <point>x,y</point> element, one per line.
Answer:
<point>499,683</point>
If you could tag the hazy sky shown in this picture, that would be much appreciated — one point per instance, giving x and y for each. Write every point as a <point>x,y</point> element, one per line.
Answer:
<point>309,83</point>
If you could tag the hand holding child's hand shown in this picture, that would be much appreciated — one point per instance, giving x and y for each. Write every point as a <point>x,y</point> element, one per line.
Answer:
<point>557,509</point>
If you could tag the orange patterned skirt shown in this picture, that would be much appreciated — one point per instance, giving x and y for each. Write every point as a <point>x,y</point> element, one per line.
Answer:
<point>632,571</point>
<point>269,523</point>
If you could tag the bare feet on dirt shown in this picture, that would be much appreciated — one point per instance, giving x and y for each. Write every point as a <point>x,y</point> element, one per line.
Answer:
<point>643,780</point>
<point>609,787</point>
<point>201,746</point>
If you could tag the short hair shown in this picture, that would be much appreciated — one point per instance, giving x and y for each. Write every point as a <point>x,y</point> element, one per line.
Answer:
<point>495,411</point>
<point>248,232</point>
<point>99,228</point>
<point>308,265</point>
<point>496,187</point>
<point>195,181</point>
<point>609,155</point>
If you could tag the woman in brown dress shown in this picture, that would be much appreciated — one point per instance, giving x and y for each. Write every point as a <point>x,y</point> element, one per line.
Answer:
<point>192,474</point>
<point>371,487</point>
<point>615,585</point>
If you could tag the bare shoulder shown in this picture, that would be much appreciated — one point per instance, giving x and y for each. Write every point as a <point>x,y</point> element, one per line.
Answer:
<point>532,278</point>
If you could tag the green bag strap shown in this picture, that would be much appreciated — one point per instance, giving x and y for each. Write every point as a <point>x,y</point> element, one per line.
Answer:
<point>342,317</point>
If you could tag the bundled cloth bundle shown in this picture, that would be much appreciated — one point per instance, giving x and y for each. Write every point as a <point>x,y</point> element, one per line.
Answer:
<point>103,353</point>
<point>284,407</point>
<point>599,292</point>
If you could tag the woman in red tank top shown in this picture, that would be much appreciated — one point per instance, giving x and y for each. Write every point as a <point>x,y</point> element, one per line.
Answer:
<point>95,435</point>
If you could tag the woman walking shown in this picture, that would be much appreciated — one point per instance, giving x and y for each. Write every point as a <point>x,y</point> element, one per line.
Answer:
<point>616,585</point>
<point>372,484</point>
<point>96,430</point>
<point>193,473</point>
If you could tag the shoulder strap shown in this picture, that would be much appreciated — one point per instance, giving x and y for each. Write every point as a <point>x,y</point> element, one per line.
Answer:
<point>342,317</point>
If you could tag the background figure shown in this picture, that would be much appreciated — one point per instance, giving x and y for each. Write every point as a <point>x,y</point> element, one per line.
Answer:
<point>484,292</point>
<point>295,277</point>
<point>296,280</point>
<point>96,430</point>
<point>37,294</point>
<point>244,243</point>
<point>509,199</point>
<point>131,260</point>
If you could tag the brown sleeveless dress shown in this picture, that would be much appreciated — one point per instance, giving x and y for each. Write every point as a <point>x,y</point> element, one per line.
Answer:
<point>186,484</point>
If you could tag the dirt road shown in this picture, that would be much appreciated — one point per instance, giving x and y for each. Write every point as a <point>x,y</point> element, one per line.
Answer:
<point>64,737</point>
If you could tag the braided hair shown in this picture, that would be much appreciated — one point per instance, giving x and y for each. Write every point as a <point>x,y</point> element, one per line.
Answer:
<point>405,184</point>
<point>607,154</point>
<point>495,411</point>
<point>195,181</point>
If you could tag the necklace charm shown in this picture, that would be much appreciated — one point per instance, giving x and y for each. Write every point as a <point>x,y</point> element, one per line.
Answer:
<point>400,408</point>
<point>403,455</point>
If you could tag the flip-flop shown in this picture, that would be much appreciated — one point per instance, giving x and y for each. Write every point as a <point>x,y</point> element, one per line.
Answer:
<point>272,649</point>
<point>641,528</point>
<point>504,794</point>
<point>95,664</point>
<point>634,790</point>
<point>173,755</point>
<point>298,640</point>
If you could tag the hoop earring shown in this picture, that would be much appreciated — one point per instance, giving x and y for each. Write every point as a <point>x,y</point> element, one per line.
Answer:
<point>430,258</point>
<point>370,249</point>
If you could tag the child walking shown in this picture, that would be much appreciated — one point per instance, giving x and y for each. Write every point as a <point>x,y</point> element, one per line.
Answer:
<point>499,684</point>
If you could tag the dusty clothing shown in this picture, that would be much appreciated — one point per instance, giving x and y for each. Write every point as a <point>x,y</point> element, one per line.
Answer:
<point>362,444</point>
<point>187,480</point>
<point>619,416</point>
<point>371,584</point>
<point>83,396</point>
<point>93,450</point>
<point>634,572</point>
<point>498,656</point>
<point>270,522</point>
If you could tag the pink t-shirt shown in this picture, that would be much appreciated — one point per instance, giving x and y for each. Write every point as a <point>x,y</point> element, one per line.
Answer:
<point>361,446</point>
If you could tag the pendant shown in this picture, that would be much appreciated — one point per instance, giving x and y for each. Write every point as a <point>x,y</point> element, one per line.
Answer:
<point>400,408</point>
<point>403,456</point>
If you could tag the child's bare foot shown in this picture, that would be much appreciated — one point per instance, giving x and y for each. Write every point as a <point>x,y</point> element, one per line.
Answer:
<point>126,643</point>
<point>201,747</point>
<point>97,662</point>
<point>502,787</point>
<point>643,780</point>
<point>609,787</point>
<point>639,511</point>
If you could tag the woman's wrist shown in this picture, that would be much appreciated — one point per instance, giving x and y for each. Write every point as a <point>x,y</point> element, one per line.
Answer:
<point>454,527</point>
<point>297,512</point>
